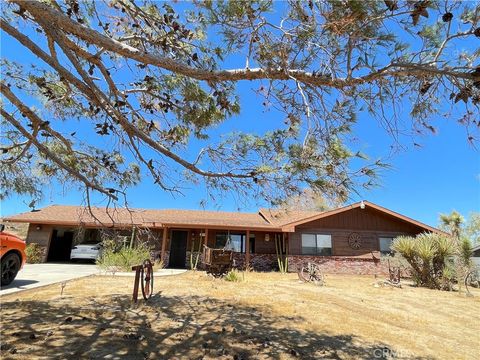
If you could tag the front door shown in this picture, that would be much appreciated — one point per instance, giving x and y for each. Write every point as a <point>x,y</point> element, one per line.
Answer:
<point>178,249</point>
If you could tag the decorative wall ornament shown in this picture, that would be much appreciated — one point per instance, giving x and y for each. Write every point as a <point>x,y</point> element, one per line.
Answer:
<point>355,241</point>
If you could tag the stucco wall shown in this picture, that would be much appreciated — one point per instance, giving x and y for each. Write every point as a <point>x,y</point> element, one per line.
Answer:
<point>40,236</point>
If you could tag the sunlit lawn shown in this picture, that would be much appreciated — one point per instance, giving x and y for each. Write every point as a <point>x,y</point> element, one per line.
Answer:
<point>267,315</point>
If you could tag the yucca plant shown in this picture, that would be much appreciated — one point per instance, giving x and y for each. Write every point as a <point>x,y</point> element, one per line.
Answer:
<point>425,247</point>
<point>444,246</point>
<point>427,255</point>
<point>448,276</point>
<point>404,245</point>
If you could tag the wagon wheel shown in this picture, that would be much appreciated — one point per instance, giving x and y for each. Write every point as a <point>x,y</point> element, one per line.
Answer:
<point>316,275</point>
<point>301,275</point>
<point>146,279</point>
<point>311,273</point>
<point>472,280</point>
<point>304,273</point>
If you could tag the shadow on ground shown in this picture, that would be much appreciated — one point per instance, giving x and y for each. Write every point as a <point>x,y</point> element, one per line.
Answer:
<point>166,328</point>
<point>20,283</point>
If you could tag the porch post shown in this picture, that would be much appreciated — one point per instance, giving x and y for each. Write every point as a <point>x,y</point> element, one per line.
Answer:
<point>205,240</point>
<point>164,245</point>
<point>247,250</point>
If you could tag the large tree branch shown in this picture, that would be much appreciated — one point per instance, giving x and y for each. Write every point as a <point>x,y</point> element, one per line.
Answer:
<point>26,111</point>
<point>88,87</point>
<point>60,20</point>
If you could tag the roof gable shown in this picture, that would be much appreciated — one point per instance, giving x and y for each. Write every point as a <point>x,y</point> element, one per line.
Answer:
<point>360,205</point>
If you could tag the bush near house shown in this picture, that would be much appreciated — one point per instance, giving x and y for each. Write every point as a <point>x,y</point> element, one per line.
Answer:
<point>431,258</point>
<point>122,259</point>
<point>34,253</point>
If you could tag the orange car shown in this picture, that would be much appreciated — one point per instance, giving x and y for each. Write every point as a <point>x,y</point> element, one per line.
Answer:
<point>12,256</point>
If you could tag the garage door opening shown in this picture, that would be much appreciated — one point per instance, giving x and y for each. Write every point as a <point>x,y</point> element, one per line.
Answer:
<point>60,246</point>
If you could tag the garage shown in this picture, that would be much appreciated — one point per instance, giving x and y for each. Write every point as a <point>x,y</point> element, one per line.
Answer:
<point>64,239</point>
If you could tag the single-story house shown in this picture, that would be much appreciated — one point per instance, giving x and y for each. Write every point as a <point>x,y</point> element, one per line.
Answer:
<point>349,239</point>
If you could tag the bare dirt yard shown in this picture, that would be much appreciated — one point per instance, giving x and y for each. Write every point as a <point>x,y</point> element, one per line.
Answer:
<point>266,316</point>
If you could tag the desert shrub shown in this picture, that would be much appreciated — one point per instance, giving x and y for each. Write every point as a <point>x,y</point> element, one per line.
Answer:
<point>428,256</point>
<point>34,253</point>
<point>122,259</point>
<point>233,276</point>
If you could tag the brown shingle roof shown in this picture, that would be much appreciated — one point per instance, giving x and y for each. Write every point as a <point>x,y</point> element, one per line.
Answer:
<point>75,215</point>
<point>279,217</point>
<point>265,219</point>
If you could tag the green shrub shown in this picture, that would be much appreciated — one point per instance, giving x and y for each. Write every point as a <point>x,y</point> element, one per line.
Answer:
<point>122,259</point>
<point>34,253</point>
<point>233,276</point>
<point>405,245</point>
<point>428,256</point>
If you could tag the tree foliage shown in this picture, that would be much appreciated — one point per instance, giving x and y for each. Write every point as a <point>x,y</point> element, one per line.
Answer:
<point>453,222</point>
<point>309,200</point>
<point>119,89</point>
<point>472,228</point>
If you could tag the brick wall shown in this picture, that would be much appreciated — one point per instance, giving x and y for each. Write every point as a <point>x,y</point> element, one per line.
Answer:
<point>259,262</point>
<point>328,264</point>
<point>200,260</point>
<point>339,264</point>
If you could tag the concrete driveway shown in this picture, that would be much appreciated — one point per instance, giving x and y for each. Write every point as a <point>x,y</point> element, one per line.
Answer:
<point>36,275</point>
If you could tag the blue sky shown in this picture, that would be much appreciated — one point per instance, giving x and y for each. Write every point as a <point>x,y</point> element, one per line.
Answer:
<point>442,175</point>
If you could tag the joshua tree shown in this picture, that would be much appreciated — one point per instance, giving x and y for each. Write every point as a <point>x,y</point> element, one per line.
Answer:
<point>454,223</point>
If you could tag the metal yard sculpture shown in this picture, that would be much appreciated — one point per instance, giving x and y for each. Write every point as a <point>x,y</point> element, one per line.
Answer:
<point>144,278</point>
<point>311,273</point>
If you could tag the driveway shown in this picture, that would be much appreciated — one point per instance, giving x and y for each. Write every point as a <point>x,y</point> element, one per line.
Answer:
<point>36,275</point>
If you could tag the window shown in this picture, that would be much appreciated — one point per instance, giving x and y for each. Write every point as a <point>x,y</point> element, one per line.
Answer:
<point>316,244</point>
<point>220,240</point>
<point>237,242</point>
<point>385,243</point>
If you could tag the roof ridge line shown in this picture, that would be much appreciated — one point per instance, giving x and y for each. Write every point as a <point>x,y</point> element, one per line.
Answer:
<point>260,211</point>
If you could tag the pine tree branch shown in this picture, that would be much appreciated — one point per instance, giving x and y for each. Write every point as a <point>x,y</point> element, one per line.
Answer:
<point>26,111</point>
<point>58,20</point>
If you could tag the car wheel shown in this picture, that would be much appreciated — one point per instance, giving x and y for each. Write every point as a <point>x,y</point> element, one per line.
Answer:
<point>10,265</point>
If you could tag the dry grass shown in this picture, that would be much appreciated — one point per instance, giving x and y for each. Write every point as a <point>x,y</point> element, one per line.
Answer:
<point>265,316</point>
